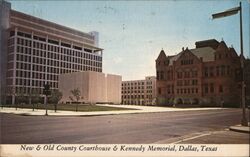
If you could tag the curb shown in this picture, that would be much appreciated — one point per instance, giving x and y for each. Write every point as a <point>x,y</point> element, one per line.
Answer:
<point>240,129</point>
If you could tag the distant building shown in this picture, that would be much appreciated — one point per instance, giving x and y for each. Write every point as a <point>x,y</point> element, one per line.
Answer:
<point>139,92</point>
<point>35,52</point>
<point>95,87</point>
<point>205,75</point>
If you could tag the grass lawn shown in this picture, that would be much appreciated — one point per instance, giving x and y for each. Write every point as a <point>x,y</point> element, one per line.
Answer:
<point>71,107</point>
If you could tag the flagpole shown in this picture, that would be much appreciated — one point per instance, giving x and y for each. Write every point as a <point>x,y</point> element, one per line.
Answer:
<point>244,121</point>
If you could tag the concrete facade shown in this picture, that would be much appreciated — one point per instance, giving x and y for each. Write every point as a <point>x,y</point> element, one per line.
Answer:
<point>35,52</point>
<point>95,87</point>
<point>139,92</point>
<point>205,75</point>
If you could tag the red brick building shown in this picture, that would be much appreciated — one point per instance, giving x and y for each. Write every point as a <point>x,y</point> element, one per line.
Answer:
<point>205,75</point>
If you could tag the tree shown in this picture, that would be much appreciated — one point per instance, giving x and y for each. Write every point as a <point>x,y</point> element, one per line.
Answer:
<point>34,97</point>
<point>21,98</point>
<point>77,94</point>
<point>55,97</point>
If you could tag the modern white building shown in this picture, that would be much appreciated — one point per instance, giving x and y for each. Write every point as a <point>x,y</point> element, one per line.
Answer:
<point>139,92</point>
<point>94,87</point>
<point>34,52</point>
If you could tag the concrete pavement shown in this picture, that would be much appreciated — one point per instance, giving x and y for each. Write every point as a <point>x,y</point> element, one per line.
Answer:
<point>240,128</point>
<point>139,109</point>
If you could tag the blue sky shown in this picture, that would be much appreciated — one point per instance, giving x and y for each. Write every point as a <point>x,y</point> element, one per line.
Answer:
<point>132,33</point>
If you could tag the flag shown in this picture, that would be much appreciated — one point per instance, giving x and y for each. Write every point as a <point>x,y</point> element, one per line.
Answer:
<point>228,12</point>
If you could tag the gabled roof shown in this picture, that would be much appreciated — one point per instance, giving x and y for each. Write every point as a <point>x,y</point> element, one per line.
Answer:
<point>162,55</point>
<point>207,54</point>
<point>233,52</point>
<point>222,46</point>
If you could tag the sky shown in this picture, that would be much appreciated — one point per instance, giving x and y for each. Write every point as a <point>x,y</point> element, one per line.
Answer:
<point>132,33</point>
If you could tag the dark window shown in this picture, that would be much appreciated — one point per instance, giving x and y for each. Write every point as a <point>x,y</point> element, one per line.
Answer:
<point>88,50</point>
<point>159,90</point>
<point>211,71</point>
<point>161,75</point>
<point>206,88</point>
<point>179,74</point>
<point>211,88</point>
<point>53,41</point>
<point>77,47</point>
<point>206,72</point>
<point>65,44</point>
<point>222,70</point>
<point>12,33</point>
<point>221,89</point>
<point>217,70</point>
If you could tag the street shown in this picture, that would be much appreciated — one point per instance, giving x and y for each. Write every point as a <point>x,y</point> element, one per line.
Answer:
<point>209,126</point>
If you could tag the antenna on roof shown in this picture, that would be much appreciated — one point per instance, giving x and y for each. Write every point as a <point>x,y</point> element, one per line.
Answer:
<point>232,46</point>
<point>222,39</point>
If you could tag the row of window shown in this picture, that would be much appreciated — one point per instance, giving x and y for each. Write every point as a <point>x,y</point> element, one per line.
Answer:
<point>34,83</point>
<point>28,90</point>
<point>136,96</point>
<point>42,67</point>
<point>187,74</point>
<point>136,91</point>
<point>187,82</point>
<point>35,75</point>
<point>135,83</point>
<point>136,87</point>
<point>137,102</point>
<point>209,88</point>
<point>221,70</point>
<point>187,90</point>
<point>68,57</point>
<point>27,36</point>
<point>187,62</point>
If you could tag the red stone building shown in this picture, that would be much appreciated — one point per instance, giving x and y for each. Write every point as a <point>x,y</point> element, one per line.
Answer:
<point>205,75</point>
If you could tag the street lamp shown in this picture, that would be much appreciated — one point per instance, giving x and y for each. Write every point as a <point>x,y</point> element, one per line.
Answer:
<point>230,12</point>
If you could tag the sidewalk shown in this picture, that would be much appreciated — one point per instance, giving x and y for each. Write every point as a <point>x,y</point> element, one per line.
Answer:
<point>240,128</point>
<point>140,109</point>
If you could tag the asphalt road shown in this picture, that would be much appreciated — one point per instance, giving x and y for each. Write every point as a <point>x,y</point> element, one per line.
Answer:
<point>167,127</point>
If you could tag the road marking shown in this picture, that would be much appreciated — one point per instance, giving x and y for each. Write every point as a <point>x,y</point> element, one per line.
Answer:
<point>194,137</point>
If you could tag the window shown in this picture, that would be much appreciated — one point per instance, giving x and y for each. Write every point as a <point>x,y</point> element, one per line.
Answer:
<point>194,82</point>
<point>159,90</point>
<point>211,71</point>
<point>206,88</point>
<point>222,70</point>
<point>186,74</point>
<point>228,70</point>
<point>194,73</point>
<point>12,33</point>
<point>217,70</point>
<point>179,83</point>
<point>186,62</point>
<point>179,74</point>
<point>221,89</point>
<point>211,88</point>
<point>206,72</point>
<point>162,75</point>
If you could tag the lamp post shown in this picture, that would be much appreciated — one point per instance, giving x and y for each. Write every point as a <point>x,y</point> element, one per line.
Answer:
<point>230,12</point>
